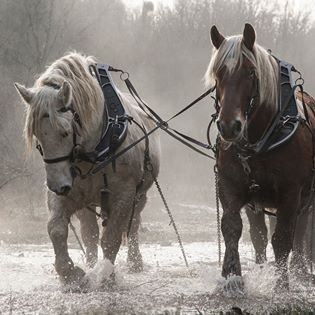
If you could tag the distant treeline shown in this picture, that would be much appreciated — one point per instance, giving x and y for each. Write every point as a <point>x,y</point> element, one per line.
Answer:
<point>166,51</point>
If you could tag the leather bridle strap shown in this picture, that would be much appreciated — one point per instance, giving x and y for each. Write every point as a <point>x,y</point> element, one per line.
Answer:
<point>70,156</point>
<point>252,102</point>
<point>59,159</point>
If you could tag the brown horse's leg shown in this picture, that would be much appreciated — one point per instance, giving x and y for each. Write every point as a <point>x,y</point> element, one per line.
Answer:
<point>89,234</point>
<point>298,262</point>
<point>282,239</point>
<point>258,233</point>
<point>134,256</point>
<point>272,225</point>
<point>231,226</point>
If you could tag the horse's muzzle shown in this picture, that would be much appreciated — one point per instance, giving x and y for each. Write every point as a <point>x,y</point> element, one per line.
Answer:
<point>64,190</point>
<point>230,131</point>
<point>61,191</point>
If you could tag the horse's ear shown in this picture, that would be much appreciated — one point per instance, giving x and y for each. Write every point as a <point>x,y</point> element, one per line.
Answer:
<point>216,37</point>
<point>249,36</point>
<point>65,93</point>
<point>26,94</point>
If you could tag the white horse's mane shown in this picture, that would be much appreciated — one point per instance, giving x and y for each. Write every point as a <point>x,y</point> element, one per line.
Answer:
<point>86,98</point>
<point>231,53</point>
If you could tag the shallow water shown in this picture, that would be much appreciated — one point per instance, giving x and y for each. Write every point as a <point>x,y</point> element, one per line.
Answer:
<point>29,285</point>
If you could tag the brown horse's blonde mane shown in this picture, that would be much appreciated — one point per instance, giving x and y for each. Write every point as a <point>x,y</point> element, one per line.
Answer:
<point>86,97</point>
<point>231,53</point>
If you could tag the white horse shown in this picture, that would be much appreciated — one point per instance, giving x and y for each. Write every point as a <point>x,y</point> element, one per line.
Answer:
<point>66,105</point>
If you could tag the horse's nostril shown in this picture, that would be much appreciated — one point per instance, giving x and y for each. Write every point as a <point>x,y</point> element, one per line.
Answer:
<point>230,130</point>
<point>237,126</point>
<point>64,190</point>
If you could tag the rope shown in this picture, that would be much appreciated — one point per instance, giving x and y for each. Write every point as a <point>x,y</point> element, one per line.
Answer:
<point>217,202</point>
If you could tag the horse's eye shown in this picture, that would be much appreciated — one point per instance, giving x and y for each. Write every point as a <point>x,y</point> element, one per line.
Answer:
<point>65,134</point>
<point>63,110</point>
<point>46,115</point>
<point>251,74</point>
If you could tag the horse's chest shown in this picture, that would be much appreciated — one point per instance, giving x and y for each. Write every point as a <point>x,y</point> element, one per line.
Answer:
<point>267,181</point>
<point>88,191</point>
<point>263,175</point>
<point>255,178</point>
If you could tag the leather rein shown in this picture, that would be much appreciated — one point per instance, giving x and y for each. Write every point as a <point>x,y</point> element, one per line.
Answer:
<point>109,156</point>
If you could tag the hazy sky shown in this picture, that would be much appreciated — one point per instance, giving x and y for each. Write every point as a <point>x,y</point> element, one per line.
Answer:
<point>296,4</point>
<point>138,3</point>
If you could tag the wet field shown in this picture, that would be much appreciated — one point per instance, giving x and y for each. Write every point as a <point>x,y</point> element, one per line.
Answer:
<point>29,285</point>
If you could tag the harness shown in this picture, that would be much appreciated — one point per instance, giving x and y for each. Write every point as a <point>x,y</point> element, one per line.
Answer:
<point>286,120</point>
<point>115,130</point>
<point>115,123</point>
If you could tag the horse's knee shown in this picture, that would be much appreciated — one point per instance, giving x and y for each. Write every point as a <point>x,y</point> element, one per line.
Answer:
<point>57,229</point>
<point>231,226</point>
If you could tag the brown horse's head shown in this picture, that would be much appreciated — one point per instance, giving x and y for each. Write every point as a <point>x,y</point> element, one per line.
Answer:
<point>245,75</point>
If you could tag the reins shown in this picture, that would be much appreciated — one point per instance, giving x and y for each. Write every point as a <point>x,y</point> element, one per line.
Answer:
<point>164,124</point>
<point>110,158</point>
<point>160,124</point>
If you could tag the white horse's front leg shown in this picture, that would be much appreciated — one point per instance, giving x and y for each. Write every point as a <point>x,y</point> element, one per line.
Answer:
<point>58,232</point>
<point>89,233</point>
<point>121,204</point>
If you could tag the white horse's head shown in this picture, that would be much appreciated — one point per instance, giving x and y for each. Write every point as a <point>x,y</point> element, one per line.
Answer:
<point>65,89</point>
<point>51,123</point>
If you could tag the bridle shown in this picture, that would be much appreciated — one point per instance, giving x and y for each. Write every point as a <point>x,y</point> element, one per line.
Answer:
<point>283,123</point>
<point>251,107</point>
<point>75,151</point>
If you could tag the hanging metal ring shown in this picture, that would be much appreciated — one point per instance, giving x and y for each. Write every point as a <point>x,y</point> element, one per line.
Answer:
<point>124,76</point>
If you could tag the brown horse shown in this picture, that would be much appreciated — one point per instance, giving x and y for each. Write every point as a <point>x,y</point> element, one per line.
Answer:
<point>247,86</point>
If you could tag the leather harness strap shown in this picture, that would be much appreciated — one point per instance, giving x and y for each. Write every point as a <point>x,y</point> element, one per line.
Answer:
<point>286,120</point>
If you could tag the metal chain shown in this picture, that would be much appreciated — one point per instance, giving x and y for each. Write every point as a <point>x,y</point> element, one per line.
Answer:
<point>217,202</point>
<point>76,236</point>
<point>312,237</point>
<point>171,217</point>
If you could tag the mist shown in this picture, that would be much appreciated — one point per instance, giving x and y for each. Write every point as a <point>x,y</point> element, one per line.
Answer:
<point>166,51</point>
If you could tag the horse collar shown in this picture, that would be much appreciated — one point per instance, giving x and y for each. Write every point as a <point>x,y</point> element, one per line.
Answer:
<point>115,118</point>
<point>115,123</point>
<point>286,120</point>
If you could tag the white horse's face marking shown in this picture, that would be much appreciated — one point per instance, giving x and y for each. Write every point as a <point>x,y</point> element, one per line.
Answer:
<point>56,143</point>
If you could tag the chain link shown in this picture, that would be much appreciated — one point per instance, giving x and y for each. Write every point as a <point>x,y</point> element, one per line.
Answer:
<point>169,214</point>
<point>217,202</point>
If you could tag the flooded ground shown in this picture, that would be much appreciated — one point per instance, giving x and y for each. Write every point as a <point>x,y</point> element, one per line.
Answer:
<point>29,285</point>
